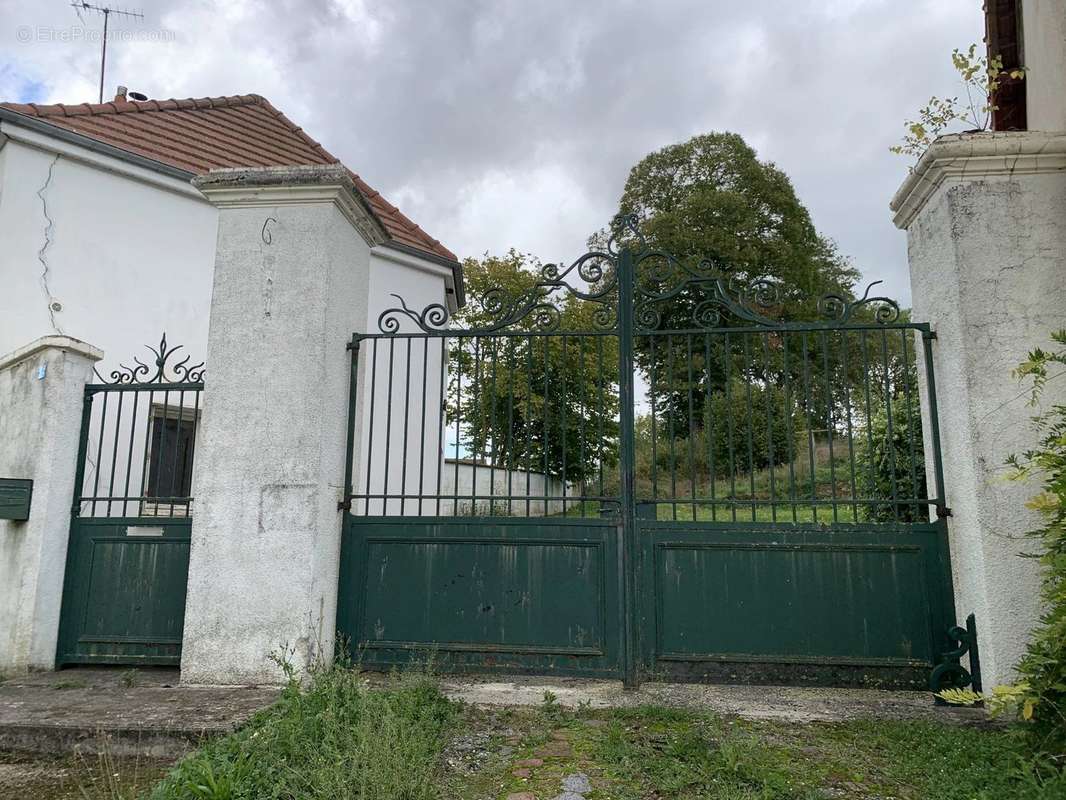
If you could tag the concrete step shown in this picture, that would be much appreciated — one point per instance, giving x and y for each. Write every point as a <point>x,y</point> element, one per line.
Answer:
<point>142,712</point>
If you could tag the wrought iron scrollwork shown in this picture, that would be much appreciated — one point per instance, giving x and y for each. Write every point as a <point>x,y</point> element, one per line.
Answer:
<point>949,673</point>
<point>179,372</point>
<point>719,294</point>
<point>836,307</point>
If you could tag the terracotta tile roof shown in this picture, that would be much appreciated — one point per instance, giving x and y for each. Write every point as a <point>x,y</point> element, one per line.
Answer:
<point>212,132</point>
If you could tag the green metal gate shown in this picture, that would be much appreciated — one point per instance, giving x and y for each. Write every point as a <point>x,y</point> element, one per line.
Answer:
<point>128,555</point>
<point>638,466</point>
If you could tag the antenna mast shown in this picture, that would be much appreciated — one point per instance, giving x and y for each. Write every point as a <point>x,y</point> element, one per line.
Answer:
<point>107,11</point>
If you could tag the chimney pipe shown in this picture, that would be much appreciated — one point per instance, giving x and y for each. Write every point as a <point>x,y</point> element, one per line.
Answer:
<point>120,95</point>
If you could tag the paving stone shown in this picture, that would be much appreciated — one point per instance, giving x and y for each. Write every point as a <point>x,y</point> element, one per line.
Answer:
<point>561,736</point>
<point>568,796</point>
<point>530,762</point>
<point>577,783</point>
<point>521,773</point>
<point>554,750</point>
<point>521,796</point>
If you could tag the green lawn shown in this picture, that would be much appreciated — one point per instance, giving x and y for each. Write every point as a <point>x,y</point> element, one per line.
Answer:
<point>340,738</point>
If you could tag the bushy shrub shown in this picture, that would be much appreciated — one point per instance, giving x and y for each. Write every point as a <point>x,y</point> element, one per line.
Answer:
<point>892,465</point>
<point>736,430</point>
<point>1043,669</point>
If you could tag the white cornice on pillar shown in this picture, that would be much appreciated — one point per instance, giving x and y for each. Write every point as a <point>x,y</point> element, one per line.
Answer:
<point>976,156</point>
<point>261,187</point>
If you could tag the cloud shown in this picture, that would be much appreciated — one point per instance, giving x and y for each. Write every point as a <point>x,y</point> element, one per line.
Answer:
<point>495,123</point>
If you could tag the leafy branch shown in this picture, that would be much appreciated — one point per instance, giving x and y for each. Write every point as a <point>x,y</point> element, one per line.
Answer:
<point>981,78</point>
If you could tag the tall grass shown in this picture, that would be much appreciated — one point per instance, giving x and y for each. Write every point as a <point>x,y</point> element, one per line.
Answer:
<point>333,738</point>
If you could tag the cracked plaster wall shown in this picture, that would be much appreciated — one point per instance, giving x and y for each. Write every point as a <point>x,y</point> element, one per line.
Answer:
<point>126,259</point>
<point>988,271</point>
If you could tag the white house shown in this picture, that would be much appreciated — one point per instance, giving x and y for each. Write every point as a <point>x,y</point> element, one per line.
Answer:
<point>105,239</point>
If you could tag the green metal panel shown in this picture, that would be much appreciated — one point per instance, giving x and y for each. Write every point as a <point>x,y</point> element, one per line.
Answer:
<point>15,497</point>
<point>124,596</point>
<point>845,597</point>
<point>519,594</point>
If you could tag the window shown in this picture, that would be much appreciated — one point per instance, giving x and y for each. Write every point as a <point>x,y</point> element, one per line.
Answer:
<point>172,441</point>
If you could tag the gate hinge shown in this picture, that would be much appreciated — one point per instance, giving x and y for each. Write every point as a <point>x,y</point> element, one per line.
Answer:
<point>344,505</point>
<point>943,512</point>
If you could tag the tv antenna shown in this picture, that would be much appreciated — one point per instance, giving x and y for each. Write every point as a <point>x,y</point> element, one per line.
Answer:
<point>107,11</point>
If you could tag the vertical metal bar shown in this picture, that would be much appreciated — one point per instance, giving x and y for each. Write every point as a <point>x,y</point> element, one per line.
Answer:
<point>630,549</point>
<point>114,454</point>
<point>581,424</point>
<point>934,422</point>
<point>129,455</point>
<point>691,430</point>
<point>600,450</point>
<point>406,426</point>
<point>159,490</point>
<point>751,422</point>
<point>349,433</point>
<point>99,454</point>
<point>458,418</point>
<point>710,425</point>
<point>829,422</point>
<point>177,448</point>
<point>83,448</point>
<point>422,438</point>
<point>727,359</point>
<point>528,421</point>
<point>890,443</point>
<point>870,507</point>
<point>192,450</point>
<point>851,431</point>
<point>479,429</point>
<point>671,436</point>
<point>789,428</point>
<point>492,428</point>
<point>909,395</point>
<point>388,431</point>
<point>146,451</point>
<point>564,401</point>
<point>547,427</point>
<point>509,445</point>
<point>769,425</point>
<point>370,426</point>
<point>442,403</point>
<point>810,430</point>
<point>653,390</point>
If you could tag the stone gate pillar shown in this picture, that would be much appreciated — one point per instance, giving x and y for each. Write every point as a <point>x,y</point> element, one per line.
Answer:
<point>42,391</point>
<point>985,216</point>
<point>291,284</point>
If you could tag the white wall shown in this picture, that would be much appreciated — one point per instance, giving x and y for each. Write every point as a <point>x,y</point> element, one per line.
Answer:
<point>478,483</point>
<point>131,252</point>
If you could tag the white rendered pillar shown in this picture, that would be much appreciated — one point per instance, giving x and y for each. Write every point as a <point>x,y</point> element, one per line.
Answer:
<point>42,388</point>
<point>985,216</point>
<point>290,287</point>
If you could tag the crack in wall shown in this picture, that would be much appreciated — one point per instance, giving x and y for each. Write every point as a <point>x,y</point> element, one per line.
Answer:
<point>52,304</point>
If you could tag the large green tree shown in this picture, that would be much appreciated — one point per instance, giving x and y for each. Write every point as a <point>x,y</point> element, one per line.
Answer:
<point>712,199</point>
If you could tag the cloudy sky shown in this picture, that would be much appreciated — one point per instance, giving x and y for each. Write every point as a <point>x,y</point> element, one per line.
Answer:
<point>498,123</point>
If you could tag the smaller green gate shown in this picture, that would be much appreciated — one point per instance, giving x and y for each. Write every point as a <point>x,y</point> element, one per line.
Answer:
<point>128,555</point>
